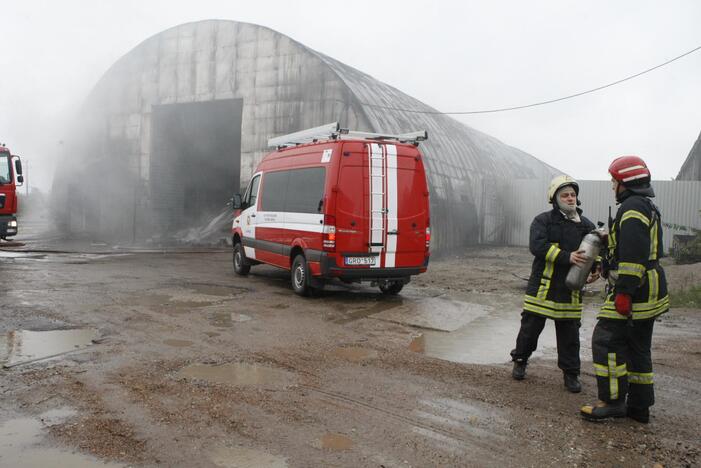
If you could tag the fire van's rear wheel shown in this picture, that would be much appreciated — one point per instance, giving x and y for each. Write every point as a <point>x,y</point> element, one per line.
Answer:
<point>300,276</point>
<point>391,287</point>
<point>241,265</point>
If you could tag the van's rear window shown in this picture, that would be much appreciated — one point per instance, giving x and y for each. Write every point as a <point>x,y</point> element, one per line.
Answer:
<point>296,191</point>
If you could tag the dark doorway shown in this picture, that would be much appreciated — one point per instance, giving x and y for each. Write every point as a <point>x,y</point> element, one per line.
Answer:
<point>195,162</point>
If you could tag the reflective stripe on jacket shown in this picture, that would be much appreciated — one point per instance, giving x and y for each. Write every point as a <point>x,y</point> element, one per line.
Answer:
<point>552,239</point>
<point>635,246</point>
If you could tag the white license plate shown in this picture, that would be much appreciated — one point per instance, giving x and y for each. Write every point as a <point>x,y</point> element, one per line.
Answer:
<point>361,260</point>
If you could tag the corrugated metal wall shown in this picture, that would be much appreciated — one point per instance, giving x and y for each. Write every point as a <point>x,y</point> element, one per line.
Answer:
<point>284,87</point>
<point>691,169</point>
<point>678,201</point>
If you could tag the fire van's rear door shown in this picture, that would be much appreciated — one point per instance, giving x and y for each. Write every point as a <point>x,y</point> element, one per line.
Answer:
<point>351,200</point>
<point>406,206</point>
<point>409,217</point>
<point>381,204</point>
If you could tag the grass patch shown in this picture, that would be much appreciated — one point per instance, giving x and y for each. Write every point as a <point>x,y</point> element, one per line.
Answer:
<point>690,298</point>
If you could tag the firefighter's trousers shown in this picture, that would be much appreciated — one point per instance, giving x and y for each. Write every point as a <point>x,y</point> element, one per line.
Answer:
<point>623,361</point>
<point>566,331</point>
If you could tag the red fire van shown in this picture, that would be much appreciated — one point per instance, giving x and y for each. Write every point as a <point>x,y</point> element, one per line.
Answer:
<point>330,203</point>
<point>10,178</point>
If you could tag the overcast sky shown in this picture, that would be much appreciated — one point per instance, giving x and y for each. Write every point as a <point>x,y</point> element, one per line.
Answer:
<point>453,55</point>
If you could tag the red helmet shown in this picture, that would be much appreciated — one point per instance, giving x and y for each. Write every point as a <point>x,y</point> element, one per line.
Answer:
<point>629,170</point>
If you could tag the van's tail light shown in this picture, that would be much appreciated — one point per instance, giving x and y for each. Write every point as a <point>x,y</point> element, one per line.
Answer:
<point>428,234</point>
<point>329,240</point>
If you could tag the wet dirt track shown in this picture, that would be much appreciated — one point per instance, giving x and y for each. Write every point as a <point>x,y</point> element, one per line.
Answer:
<point>186,364</point>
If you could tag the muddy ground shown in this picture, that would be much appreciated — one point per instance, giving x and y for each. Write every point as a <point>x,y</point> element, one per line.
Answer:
<point>181,363</point>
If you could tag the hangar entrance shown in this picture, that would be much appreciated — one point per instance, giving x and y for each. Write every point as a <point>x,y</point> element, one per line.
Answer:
<point>195,163</point>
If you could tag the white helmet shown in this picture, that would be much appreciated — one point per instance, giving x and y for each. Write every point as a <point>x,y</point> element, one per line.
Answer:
<point>561,181</point>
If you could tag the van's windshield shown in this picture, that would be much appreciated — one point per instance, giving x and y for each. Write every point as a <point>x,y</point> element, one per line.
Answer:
<point>5,175</point>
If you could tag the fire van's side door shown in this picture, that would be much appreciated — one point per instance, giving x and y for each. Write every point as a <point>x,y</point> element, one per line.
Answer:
<point>248,217</point>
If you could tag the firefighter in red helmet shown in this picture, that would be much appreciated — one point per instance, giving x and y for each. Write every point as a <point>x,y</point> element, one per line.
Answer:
<point>637,296</point>
<point>554,241</point>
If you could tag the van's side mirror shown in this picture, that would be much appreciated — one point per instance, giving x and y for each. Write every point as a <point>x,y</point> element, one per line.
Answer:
<point>236,202</point>
<point>18,170</point>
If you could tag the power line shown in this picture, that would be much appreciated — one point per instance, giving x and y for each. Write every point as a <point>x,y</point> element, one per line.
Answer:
<point>541,103</point>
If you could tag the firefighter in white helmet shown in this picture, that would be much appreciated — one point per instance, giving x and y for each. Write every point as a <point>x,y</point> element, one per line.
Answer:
<point>555,236</point>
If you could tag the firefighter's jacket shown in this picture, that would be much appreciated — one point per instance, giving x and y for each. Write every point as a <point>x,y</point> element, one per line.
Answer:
<point>634,248</point>
<point>553,238</point>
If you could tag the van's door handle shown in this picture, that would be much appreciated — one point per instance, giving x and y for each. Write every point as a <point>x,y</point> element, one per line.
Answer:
<point>393,233</point>
<point>253,215</point>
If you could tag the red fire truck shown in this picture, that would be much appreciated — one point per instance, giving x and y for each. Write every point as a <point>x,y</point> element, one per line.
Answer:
<point>10,178</point>
<point>335,204</point>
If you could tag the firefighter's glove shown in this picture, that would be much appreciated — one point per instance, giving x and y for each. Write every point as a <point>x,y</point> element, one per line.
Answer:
<point>624,304</point>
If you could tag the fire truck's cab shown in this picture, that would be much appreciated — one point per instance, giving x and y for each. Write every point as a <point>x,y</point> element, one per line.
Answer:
<point>10,178</point>
<point>336,204</point>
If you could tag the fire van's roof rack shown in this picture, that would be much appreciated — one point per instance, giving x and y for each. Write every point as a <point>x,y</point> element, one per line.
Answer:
<point>333,131</point>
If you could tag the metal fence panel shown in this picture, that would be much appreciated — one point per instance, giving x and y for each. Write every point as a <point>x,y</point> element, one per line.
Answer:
<point>678,201</point>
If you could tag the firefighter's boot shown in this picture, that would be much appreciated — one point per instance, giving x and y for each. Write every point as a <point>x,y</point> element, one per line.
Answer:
<point>602,410</point>
<point>519,370</point>
<point>572,383</point>
<point>642,415</point>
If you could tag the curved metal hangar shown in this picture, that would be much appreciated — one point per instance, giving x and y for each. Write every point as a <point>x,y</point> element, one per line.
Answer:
<point>178,124</point>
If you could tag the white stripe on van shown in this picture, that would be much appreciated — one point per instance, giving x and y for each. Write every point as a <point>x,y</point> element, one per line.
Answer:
<point>376,194</point>
<point>392,223</point>
<point>304,227</point>
<point>308,222</point>
<point>313,220</point>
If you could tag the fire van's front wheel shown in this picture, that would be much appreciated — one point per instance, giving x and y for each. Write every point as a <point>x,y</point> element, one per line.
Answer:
<point>241,266</point>
<point>391,287</point>
<point>300,276</point>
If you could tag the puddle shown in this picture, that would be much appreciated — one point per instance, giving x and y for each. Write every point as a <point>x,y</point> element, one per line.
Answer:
<point>227,319</point>
<point>351,315</point>
<point>467,345</point>
<point>458,413</point>
<point>221,319</point>
<point>20,440</point>
<point>354,354</point>
<point>15,255</point>
<point>435,313</point>
<point>336,442</point>
<point>146,300</point>
<point>490,338</point>
<point>166,302</point>
<point>478,419</point>
<point>486,340</point>
<point>78,259</point>
<point>241,457</point>
<point>172,300</point>
<point>239,374</point>
<point>178,343</point>
<point>216,290</point>
<point>24,346</point>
